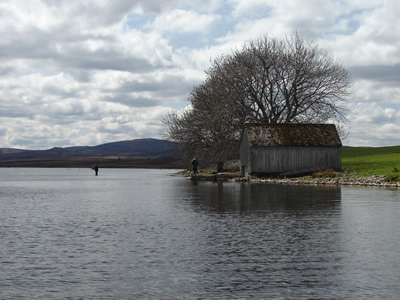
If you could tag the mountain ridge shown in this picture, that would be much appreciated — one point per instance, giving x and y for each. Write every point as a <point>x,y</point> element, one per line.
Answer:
<point>138,147</point>
<point>145,152</point>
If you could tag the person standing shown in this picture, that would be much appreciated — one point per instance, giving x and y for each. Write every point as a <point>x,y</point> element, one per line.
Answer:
<point>96,169</point>
<point>195,164</point>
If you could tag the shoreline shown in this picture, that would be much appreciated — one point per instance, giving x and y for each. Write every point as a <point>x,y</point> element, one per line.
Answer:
<point>341,179</point>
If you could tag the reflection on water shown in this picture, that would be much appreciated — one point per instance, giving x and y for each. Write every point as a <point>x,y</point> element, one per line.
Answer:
<point>243,198</point>
<point>129,234</point>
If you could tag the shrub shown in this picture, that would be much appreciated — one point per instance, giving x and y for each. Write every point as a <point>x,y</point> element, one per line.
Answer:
<point>324,173</point>
<point>391,177</point>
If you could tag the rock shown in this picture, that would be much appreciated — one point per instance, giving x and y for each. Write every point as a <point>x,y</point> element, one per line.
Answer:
<point>341,179</point>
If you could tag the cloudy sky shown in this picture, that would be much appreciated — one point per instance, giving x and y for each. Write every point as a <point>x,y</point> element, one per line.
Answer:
<point>87,72</point>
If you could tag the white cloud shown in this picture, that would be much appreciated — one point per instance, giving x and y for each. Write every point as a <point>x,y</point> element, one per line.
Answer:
<point>373,113</point>
<point>374,136</point>
<point>181,21</point>
<point>369,90</point>
<point>374,125</point>
<point>376,36</point>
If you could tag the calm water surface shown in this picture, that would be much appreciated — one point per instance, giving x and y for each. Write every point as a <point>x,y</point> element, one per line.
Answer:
<point>141,234</point>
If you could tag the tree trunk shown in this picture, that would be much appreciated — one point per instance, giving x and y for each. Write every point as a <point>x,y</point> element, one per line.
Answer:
<point>220,166</point>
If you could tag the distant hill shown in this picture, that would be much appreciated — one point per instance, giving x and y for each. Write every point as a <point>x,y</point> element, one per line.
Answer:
<point>119,154</point>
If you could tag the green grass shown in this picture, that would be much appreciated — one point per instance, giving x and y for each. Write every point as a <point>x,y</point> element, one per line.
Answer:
<point>369,161</point>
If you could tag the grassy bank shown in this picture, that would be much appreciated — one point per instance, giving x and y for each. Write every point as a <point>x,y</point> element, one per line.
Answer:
<point>368,161</point>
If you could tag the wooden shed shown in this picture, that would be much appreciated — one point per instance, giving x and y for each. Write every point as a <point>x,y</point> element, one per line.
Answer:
<point>276,149</point>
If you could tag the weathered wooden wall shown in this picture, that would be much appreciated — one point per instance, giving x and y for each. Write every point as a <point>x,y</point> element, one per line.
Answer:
<point>275,160</point>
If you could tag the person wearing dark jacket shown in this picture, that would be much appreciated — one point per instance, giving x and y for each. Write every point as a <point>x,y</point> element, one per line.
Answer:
<point>96,169</point>
<point>195,164</point>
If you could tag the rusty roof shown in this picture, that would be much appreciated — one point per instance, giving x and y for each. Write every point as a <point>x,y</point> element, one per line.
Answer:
<point>311,135</point>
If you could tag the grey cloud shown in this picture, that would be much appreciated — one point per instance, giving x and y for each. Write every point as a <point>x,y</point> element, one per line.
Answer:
<point>381,119</point>
<point>120,128</point>
<point>81,76</point>
<point>111,12</point>
<point>92,12</point>
<point>14,112</point>
<point>58,91</point>
<point>105,130</point>
<point>388,74</point>
<point>23,142</point>
<point>131,101</point>
<point>32,44</point>
<point>7,70</point>
<point>110,61</point>
<point>77,58</point>
<point>10,107</point>
<point>61,48</point>
<point>166,87</point>
<point>156,6</point>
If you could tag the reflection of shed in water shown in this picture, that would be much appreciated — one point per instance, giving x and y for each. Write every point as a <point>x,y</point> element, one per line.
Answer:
<point>289,148</point>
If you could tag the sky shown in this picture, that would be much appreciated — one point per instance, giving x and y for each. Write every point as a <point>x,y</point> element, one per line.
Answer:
<point>89,72</point>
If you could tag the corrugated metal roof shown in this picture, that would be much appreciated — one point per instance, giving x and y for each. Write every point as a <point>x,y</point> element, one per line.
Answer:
<point>313,135</point>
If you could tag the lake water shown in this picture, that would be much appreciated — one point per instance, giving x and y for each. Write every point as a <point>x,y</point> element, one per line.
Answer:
<point>141,234</point>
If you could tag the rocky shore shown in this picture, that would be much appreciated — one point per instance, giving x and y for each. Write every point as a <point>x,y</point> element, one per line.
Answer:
<point>341,179</point>
<point>333,178</point>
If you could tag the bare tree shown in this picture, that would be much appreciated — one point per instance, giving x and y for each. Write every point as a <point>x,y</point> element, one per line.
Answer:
<point>268,80</point>
<point>210,129</point>
<point>289,81</point>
